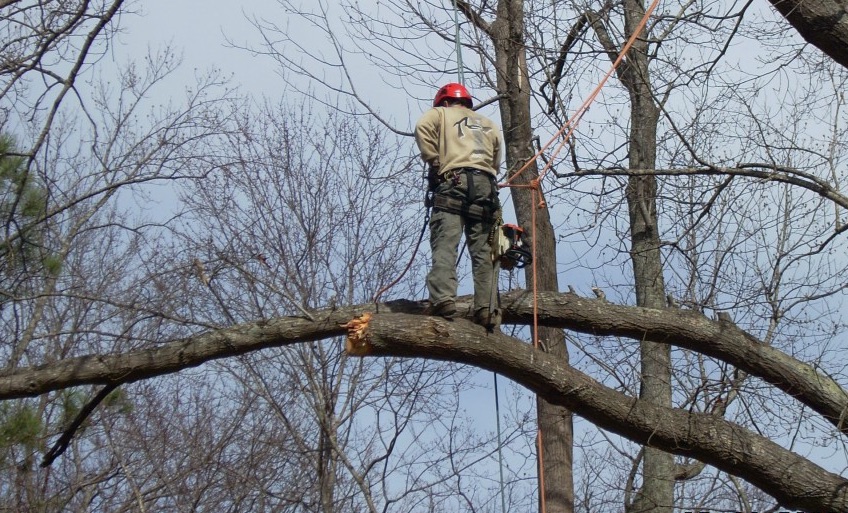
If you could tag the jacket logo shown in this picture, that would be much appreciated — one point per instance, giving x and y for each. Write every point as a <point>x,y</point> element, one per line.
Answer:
<point>471,124</point>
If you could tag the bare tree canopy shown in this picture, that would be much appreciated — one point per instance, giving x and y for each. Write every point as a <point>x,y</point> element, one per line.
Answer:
<point>188,272</point>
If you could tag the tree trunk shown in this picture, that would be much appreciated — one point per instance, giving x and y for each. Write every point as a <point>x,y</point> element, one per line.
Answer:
<point>657,491</point>
<point>555,422</point>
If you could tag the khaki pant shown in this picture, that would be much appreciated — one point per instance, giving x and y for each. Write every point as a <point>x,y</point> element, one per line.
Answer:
<point>446,229</point>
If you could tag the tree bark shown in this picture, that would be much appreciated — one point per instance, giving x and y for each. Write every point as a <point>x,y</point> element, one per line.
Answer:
<point>822,23</point>
<point>657,491</point>
<point>793,480</point>
<point>683,328</point>
<point>555,422</point>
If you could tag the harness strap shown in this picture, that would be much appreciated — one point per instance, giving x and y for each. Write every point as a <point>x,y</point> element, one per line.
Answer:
<point>469,191</point>
<point>461,207</point>
<point>465,207</point>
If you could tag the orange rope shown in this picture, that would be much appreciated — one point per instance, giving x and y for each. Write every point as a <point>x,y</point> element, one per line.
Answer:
<point>535,193</point>
<point>571,124</point>
<point>535,277</point>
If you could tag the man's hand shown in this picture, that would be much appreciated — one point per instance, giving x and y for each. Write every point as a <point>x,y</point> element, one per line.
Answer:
<point>433,178</point>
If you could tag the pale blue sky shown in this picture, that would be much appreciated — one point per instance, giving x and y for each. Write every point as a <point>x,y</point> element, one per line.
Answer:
<point>197,30</point>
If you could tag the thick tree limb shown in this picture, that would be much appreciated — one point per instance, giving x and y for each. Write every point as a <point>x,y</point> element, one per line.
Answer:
<point>791,479</point>
<point>682,328</point>
<point>822,23</point>
<point>694,331</point>
<point>179,354</point>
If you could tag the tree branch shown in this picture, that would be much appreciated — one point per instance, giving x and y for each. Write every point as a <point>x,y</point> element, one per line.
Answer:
<point>791,479</point>
<point>823,23</point>
<point>760,171</point>
<point>62,444</point>
<point>474,17</point>
<point>554,78</point>
<point>682,328</point>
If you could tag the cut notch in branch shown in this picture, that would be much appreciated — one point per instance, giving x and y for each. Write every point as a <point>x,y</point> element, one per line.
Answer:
<point>357,343</point>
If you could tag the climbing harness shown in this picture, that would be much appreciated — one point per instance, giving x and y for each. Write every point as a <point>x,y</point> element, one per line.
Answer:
<point>442,201</point>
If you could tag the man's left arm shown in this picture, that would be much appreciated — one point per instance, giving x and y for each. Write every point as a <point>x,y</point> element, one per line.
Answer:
<point>427,137</point>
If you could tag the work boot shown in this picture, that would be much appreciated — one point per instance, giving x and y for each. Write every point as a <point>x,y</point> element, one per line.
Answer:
<point>446,309</point>
<point>489,321</point>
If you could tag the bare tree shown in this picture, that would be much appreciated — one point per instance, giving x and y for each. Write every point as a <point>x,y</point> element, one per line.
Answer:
<point>95,143</point>
<point>596,32</point>
<point>717,216</point>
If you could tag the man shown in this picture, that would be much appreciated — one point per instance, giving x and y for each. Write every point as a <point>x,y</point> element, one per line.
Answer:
<point>462,150</point>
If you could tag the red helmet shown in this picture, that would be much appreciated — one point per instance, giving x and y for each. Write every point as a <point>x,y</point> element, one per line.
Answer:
<point>453,90</point>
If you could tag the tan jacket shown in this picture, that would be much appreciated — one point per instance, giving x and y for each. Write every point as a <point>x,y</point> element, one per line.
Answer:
<point>455,137</point>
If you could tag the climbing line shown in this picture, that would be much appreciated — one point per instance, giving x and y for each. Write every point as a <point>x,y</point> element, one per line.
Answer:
<point>408,265</point>
<point>571,125</point>
<point>460,76</point>
<point>540,446</point>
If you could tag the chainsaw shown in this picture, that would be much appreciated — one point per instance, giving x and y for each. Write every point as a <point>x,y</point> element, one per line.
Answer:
<point>510,250</point>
